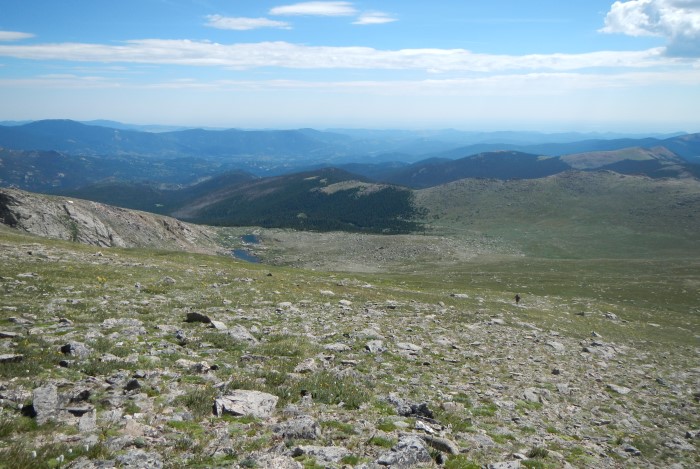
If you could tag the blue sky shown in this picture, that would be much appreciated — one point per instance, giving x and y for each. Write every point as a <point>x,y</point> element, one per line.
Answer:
<point>591,65</point>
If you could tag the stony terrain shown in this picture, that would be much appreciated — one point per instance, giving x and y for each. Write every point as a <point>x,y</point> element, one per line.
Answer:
<point>98,224</point>
<point>136,358</point>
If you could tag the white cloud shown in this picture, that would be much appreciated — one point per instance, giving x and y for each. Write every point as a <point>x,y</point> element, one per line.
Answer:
<point>244,24</point>
<point>316,9</point>
<point>676,20</point>
<point>14,35</point>
<point>295,56</point>
<point>375,17</point>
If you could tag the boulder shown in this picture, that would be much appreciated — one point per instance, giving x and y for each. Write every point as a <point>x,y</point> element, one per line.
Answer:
<point>302,427</point>
<point>45,403</point>
<point>408,452</point>
<point>76,349</point>
<point>140,459</point>
<point>324,454</point>
<point>243,402</point>
<point>242,334</point>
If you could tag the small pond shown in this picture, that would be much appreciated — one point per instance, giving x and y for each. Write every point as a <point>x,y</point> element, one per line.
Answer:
<point>246,254</point>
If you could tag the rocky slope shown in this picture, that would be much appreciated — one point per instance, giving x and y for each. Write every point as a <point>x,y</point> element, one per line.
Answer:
<point>141,359</point>
<point>98,224</point>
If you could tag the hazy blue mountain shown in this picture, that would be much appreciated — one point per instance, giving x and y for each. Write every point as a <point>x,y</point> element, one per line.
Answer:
<point>687,146</point>
<point>50,171</point>
<point>492,165</point>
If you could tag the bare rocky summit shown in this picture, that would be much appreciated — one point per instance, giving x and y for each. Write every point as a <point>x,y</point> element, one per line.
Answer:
<point>98,224</point>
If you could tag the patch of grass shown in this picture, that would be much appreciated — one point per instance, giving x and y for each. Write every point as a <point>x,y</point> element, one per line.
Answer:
<point>327,388</point>
<point>487,410</point>
<point>97,367</point>
<point>536,464</point>
<point>502,438</point>
<point>386,426</point>
<point>458,422</point>
<point>461,461</point>
<point>17,455</point>
<point>579,457</point>
<point>350,459</point>
<point>198,400</point>
<point>538,452</point>
<point>39,356</point>
<point>287,346</point>
<point>342,427</point>
<point>527,405</point>
<point>192,428</point>
<point>463,399</point>
<point>381,441</point>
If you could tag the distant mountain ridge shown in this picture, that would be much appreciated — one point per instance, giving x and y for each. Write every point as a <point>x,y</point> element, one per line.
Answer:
<point>309,146</point>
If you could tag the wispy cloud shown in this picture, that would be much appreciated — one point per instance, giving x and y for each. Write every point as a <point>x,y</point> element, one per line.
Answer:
<point>14,36</point>
<point>315,9</point>
<point>296,56</point>
<point>244,24</point>
<point>676,20</point>
<point>375,17</point>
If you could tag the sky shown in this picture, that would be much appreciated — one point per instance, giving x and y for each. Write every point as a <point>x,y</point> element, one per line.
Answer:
<point>543,65</point>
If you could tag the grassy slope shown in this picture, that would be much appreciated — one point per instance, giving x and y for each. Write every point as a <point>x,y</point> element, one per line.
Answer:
<point>574,215</point>
<point>657,302</point>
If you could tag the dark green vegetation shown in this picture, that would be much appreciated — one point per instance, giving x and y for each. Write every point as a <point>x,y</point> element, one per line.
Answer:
<point>322,200</point>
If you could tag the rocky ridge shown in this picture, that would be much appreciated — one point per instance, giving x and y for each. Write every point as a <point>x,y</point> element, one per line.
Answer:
<point>98,224</point>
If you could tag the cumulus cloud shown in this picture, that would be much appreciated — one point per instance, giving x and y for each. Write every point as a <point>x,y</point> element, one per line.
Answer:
<point>14,35</point>
<point>676,20</point>
<point>297,56</point>
<point>315,9</point>
<point>375,17</point>
<point>244,24</point>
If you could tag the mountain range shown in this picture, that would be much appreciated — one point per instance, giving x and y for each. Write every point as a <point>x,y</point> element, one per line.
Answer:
<point>305,178</point>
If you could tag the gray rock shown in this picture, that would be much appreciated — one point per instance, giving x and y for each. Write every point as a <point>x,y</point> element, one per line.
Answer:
<point>302,427</point>
<point>337,347</point>
<point>307,366</point>
<point>242,334</point>
<point>558,347</point>
<point>441,444</point>
<point>531,394</point>
<point>218,325</point>
<point>375,346</point>
<point>11,358</point>
<point>407,409</point>
<point>45,403</point>
<point>619,389</point>
<point>88,422</point>
<point>275,461</point>
<point>327,454</point>
<point>505,465</point>
<point>243,402</point>
<point>408,452</point>
<point>411,349</point>
<point>76,349</point>
<point>140,459</point>
<point>9,335</point>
